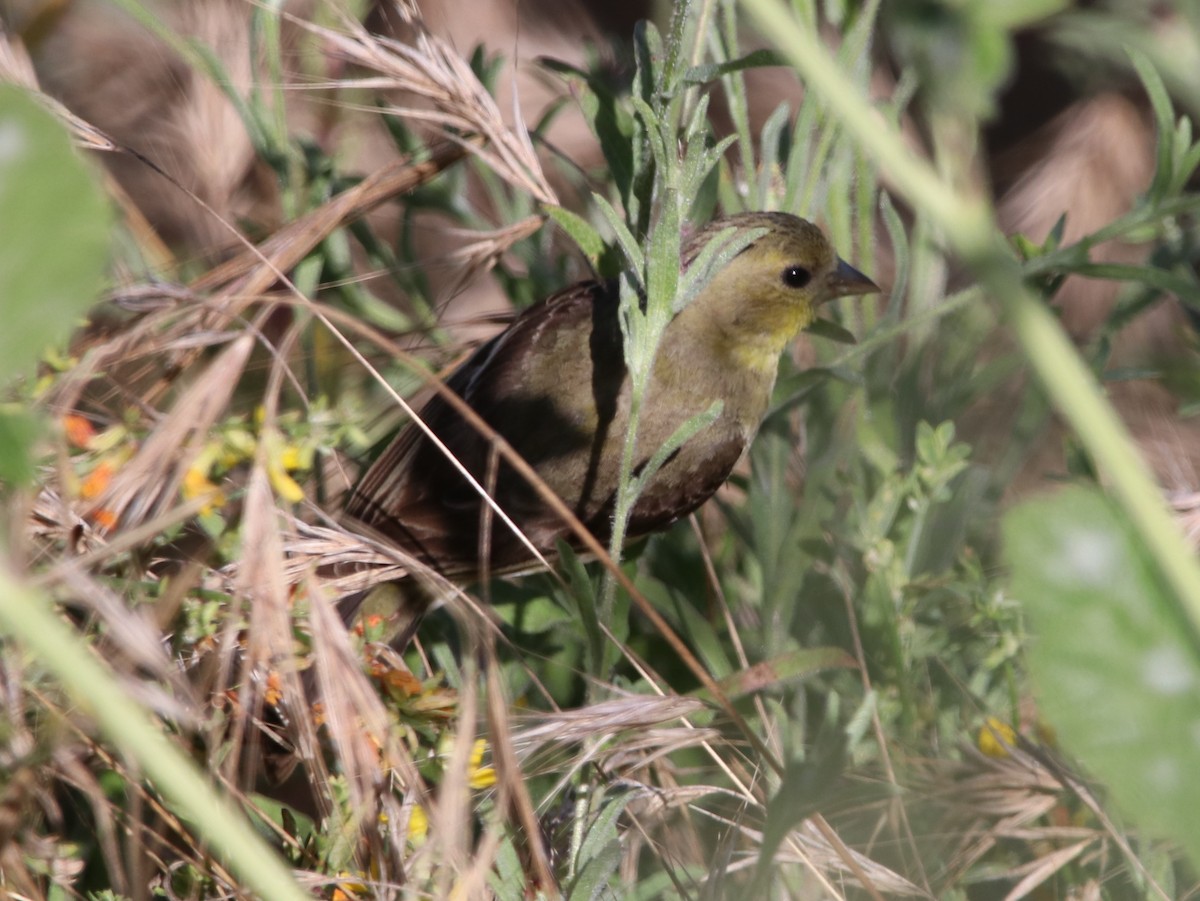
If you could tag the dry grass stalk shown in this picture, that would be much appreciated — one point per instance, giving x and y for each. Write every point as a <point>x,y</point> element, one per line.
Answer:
<point>1018,799</point>
<point>485,250</point>
<point>150,482</point>
<point>435,72</point>
<point>376,764</point>
<point>348,562</point>
<point>594,722</point>
<point>254,269</point>
<point>809,847</point>
<point>16,68</point>
<point>986,799</point>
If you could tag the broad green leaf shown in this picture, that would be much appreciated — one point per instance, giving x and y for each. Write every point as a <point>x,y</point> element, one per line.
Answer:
<point>56,232</point>
<point>1116,667</point>
<point>18,430</point>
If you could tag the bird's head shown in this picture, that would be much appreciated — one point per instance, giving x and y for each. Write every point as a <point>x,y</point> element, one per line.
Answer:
<point>771,290</point>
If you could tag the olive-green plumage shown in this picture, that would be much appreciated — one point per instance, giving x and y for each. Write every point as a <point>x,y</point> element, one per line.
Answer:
<point>554,385</point>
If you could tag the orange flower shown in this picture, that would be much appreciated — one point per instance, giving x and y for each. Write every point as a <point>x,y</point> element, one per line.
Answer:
<point>97,480</point>
<point>105,519</point>
<point>79,430</point>
<point>274,693</point>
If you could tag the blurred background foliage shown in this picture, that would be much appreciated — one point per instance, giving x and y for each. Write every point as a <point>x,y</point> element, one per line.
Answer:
<point>954,679</point>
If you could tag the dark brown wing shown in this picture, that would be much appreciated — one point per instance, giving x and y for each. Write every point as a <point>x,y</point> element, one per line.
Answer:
<point>415,496</point>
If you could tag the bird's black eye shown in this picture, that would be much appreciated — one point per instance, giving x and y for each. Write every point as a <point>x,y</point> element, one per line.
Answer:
<point>796,276</point>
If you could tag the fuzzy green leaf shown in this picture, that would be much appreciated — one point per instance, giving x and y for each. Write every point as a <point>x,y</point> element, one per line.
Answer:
<point>756,59</point>
<point>581,232</point>
<point>1164,121</point>
<point>54,250</point>
<point>1116,666</point>
<point>18,430</point>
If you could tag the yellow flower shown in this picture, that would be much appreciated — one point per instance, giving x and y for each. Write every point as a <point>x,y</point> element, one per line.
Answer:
<point>281,458</point>
<point>996,738</point>
<point>480,777</point>
<point>285,486</point>
<point>291,458</point>
<point>348,887</point>
<point>418,824</point>
<point>196,484</point>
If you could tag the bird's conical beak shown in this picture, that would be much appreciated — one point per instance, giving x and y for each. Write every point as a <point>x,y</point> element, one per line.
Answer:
<point>845,280</point>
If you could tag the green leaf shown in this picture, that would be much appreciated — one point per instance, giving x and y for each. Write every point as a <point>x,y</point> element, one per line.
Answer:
<point>681,436</point>
<point>805,788</point>
<point>581,232</point>
<point>961,55</point>
<point>1116,666</point>
<point>1184,285</point>
<point>827,328</point>
<point>756,59</point>
<point>710,647</point>
<point>18,431</point>
<point>507,879</point>
<point>712,258</point>
<point>1019,13</point>
<point>609,119</point>
<point>600,853</point>
<point>1164,120</point>
<point>626,241</point>
<point>55,243</point>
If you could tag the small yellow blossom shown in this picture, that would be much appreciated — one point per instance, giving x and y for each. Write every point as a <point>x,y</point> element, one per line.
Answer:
<point>418,824</point>
<point>285,486</point>
<point>997,738</point>
<point>291,458</point>
<point>480,776</point>
<point>196,484</point>
<point>278,457</point>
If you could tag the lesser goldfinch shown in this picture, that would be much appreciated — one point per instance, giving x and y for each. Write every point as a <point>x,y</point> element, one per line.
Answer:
<point>555,386</point>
